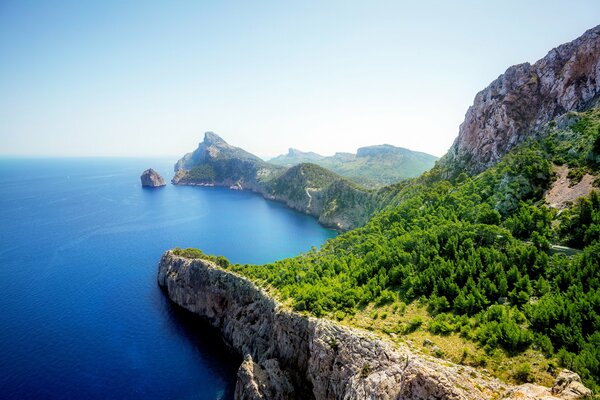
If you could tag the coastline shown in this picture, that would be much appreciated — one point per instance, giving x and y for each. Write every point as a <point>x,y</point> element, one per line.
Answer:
<point>290,355</point>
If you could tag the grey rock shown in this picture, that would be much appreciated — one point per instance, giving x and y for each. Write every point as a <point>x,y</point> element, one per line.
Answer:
<point>568,385</point>
<point>151,178</point>
<point>266,381</point>
<point>519,103</point>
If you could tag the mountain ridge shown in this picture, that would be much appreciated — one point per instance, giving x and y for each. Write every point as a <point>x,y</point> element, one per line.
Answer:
<point>517,104</point>
<point>371,166</point>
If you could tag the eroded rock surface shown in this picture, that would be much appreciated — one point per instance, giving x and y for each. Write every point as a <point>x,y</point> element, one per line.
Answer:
<point>291,356</point>
<point>526,97</point>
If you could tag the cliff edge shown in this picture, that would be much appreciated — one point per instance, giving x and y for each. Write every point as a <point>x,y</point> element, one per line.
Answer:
<point>291,356</point>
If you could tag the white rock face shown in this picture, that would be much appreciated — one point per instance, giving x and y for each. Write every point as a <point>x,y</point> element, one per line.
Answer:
<point>291,356</point>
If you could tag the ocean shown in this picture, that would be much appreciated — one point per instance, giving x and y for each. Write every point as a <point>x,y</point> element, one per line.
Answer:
<point>81,314</point>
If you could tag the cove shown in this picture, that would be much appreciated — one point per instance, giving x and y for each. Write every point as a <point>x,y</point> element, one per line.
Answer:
<point>82,315</point>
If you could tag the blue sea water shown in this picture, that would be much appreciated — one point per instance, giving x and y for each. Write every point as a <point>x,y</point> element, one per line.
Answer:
<point>81,315</point>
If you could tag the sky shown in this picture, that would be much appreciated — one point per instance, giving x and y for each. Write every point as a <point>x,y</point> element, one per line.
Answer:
<point>148,78</point>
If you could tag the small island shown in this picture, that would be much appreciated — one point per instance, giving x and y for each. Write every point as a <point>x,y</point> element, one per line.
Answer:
<point>151,178</point>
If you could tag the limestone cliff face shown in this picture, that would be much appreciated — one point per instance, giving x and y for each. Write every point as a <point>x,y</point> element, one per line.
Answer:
<point>524,98</point>
<point>291,356</point>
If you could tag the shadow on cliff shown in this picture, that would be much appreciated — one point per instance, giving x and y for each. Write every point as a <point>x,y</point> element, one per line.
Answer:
<point>208,342</point>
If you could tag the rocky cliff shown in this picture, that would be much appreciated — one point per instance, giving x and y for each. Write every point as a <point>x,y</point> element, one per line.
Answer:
<point>291,356</point>
<point>216,162</point>
<point>151,178</point>
<point>520,101</point>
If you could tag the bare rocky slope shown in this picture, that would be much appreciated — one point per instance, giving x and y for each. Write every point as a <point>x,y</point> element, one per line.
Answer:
<point>291,356</point>
<point>523,99</point>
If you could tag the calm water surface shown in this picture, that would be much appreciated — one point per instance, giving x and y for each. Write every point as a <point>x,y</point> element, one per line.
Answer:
<point>81,315</point>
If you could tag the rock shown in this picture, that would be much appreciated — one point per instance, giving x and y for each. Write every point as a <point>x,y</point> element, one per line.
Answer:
<point>151,178</point>
<point>291,356</point>
<point>522,100</point>
<point>258,382</point>
<point>528,391</point>
<point>568,385</point>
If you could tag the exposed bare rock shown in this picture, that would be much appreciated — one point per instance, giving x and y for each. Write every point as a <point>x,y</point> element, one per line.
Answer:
<point>258,382</point>
<point>291,356</point>
<point>151,178</point>
<point>524,98</point>
<point>562,193</point>
<point>568,385</point>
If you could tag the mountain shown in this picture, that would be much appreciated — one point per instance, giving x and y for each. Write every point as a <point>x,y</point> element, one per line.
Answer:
<point>373,166</point>
<point>295,157</point>
<point>521,101</point>
<point>490,260</point>
<point>332,199</point>
<point>215,162</point>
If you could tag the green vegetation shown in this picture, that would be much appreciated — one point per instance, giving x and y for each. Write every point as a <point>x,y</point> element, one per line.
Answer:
<point>198,254</point>
<point>371,167</point>
<point>203,172</point>
<point>477,253</point>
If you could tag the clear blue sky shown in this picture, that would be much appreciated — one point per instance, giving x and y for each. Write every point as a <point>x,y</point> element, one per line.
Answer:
<point>148,77</point>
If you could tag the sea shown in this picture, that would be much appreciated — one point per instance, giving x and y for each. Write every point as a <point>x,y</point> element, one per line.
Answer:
<point>81,314</point>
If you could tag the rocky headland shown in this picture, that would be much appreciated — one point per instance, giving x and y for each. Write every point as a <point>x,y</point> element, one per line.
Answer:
<point>309,188</point>
<point>151,178</point>
<point>291,356</point>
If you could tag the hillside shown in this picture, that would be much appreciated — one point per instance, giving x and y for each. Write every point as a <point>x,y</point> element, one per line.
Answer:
<point>468,262</point>
<point>373,166</point>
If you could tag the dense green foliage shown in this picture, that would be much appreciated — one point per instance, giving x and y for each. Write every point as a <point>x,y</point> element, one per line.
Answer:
<point>198,254</point>
<point>371,167</point>
<point>478,250</point>
<point>295,181</point>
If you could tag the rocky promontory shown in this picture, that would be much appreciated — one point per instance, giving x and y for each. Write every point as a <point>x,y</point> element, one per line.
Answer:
<point>292,356</point>
<point>523,99</point>
<point>151,178</point>
<point>334,200</point>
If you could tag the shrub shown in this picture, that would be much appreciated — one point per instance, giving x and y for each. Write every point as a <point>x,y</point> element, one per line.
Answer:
<point>522,373</point>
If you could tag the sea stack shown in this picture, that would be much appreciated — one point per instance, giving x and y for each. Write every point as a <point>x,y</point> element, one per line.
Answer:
<point>151,178</point>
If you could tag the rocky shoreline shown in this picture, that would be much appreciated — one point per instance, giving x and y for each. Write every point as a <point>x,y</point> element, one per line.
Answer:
<point>291,356</point>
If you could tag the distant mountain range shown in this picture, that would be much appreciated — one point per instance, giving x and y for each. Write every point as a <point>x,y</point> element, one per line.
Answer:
<point>372,166</point>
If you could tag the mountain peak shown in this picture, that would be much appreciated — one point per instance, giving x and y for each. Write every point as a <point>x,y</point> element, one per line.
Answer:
<point>211,138</point>
<point>521,101</point>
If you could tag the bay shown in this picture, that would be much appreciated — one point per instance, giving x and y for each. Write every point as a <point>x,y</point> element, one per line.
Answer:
<point>81,315</point>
